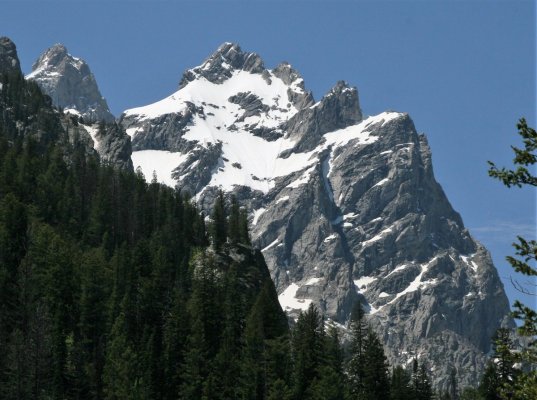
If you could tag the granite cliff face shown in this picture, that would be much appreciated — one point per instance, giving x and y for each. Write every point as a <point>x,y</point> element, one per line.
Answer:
<point>344,207</point>
<point>70,84</point>
<point>68,81</point>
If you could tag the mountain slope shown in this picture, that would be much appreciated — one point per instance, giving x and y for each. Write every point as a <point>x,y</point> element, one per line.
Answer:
<point>344,207</point>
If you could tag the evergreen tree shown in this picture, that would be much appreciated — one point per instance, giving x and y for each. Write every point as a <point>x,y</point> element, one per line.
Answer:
<point>234,221</point>
<point>92,325</point>
<point>176,328</point>
<point>526,252</point>
<point>244,235</point>
<point>400,386</point>
<point>376,381</point>
<point>500,375</point>
<point>218,224</point>
<point>489,387</point>
<point>356,363</point>
<point>121,376</point>
<point>421,384</point>
<point>307,342</point>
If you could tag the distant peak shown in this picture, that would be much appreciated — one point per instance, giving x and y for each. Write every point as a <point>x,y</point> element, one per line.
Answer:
<point>227,58</point>
<point>341,86</point>
<point>53,56</point>
<point>9,60</point>
<point>58,48</point>
<point>227,47</point>
<point>70,83</point>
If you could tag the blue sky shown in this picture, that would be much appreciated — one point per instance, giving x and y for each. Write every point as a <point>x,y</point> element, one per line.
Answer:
<point>463,70</point>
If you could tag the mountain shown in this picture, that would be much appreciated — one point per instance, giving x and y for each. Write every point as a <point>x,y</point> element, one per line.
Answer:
<point>345,207</point>
<point>70,83</point>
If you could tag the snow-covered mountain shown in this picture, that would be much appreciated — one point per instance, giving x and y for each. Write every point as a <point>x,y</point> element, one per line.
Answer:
<point>70,84</point>
<point>345,206</point>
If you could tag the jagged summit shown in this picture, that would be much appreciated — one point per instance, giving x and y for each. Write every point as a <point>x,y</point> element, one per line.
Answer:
<point>220,65</point>
<point>70,84</point>
<point>231,91</point>
<point>53,56</point>
<point>9,60</point>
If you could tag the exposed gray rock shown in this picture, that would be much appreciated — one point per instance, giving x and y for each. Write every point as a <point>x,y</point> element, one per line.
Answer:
<point>221,64</point>
<point>253,106</point>
<point>109,141</point>
<point>164,132</point>
<point>114,146</point>
<point>338,109</point>
<point>9,60</point>
<point>70,84</point>
<point>290,76</point>
<point>194,174</point>
<point>345,208</point>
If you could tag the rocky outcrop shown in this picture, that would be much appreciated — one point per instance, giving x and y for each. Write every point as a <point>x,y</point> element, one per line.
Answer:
<point>68,81</point>
<point>219,66</point>
<point>70,84</point>
<point>9,61</point>
<point>345,207</point>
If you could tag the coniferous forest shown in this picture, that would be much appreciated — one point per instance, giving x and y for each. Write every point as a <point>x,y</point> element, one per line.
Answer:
<point>115,288</point>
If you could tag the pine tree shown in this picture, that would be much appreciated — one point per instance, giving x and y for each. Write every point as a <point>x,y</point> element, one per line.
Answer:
<point>376,381</point>
<point>218,224</point>
<point>176,329</point>
<point>307,342</point>
<point>121,374</point>
<point>234,221</point>
<point>356,363</point>
<point>400,386</point>
<point>500,375</point>
<point>92,325</point>
<point>489,387</point>
<point>244,235</point>
<point>421,384</point>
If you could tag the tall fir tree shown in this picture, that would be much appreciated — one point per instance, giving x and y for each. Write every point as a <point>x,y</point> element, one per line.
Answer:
<point>356,362</point>
<point>219,223</point>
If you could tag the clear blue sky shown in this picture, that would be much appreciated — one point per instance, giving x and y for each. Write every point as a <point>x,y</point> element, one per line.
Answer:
<point>463,70</point>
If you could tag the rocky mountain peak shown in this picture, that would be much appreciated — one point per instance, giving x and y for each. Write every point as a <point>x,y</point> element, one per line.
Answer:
<point>70,84</point>
<point>219,66</point>
<point>9,60</point>
<point>343,99</point>
<point>53,56</point>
